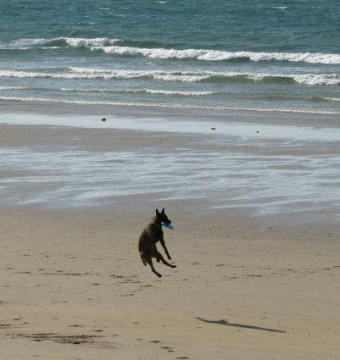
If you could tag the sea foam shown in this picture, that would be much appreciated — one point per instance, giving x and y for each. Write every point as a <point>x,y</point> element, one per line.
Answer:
<point>175,76</point>
<point>215,55</point>
<point>116,47</point>
<point>165,105</point>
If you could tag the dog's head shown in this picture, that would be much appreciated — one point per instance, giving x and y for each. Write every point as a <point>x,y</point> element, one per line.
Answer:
<point>161,216</point>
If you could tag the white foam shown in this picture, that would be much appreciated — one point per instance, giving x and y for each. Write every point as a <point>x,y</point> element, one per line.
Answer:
<point>185,76</point>
<point>70,41</point>
<point>85,42</point>
<point>181,93</point>
<point>141,91</point>
<point>317,79</point>
<point>28,42</point>
<point>332,99</point>
<point>110,46</point>
<point>14,88</point>
<point>217,55</point>
<point>163,105</point>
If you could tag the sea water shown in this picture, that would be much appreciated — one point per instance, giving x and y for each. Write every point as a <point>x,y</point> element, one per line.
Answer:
<point>236,64</point>
<point>210,57</point>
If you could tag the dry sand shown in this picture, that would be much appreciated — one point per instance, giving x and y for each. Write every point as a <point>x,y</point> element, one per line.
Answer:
<point>73,286</point>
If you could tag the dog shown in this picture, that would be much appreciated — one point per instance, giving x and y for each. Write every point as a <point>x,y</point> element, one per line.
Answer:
<point>148,239</point>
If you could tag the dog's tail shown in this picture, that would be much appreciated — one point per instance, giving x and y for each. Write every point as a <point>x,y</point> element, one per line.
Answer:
<point>142,257</point>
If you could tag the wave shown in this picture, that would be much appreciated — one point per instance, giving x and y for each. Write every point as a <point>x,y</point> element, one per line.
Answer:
<point>141,91</point>
<point>5,88</point>
<point>280,7</point>
<point>118,47</point>
<point>324,99</point>
<point>218,55</point>
<point>177,76</point>
<point>59,42</point>
<point>155,92</point>
<point>112,91</point>
<point>162,105</point>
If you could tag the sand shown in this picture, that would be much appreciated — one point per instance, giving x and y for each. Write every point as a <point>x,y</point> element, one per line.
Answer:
<point>245,287</point>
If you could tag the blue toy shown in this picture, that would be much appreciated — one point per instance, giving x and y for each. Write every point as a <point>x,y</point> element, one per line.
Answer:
<point>169,226</point>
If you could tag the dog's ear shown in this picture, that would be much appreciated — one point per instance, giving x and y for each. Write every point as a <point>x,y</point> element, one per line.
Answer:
<point>157,212</point>
<point>163,211</point>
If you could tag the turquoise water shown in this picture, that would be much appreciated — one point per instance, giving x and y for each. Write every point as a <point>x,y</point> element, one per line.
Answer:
<point>207,56</point>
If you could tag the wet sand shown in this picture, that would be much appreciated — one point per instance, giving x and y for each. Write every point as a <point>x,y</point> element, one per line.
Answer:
<point>248,284</point>
<point>291,172</point>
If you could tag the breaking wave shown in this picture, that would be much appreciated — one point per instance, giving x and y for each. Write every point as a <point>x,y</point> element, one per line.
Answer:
<point>162,105</point>
<point>142,91</point>
<point>177,76</point>
<point>324,99</point>
<point>120,47</point>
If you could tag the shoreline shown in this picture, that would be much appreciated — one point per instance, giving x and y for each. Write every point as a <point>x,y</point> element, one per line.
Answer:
<point>70,160</point>
<point>178,124</point>
<point>262,117</point>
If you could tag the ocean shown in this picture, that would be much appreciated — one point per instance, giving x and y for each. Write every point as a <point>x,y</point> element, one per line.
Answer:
<point>247,91</point>
<point>189,56</point>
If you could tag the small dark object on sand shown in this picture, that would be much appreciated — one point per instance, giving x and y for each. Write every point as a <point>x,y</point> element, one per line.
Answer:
<point>213,129</point>
<point>103,119</point>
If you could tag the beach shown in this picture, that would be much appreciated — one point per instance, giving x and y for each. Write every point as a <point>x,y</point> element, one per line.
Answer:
<point>257,265</point>
<point>226,114</point>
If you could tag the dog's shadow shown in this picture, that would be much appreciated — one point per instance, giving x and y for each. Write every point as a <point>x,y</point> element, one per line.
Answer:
<point>227,323</point>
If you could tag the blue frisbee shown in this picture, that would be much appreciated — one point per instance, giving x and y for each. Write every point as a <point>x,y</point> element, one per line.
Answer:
<point>169,226</point>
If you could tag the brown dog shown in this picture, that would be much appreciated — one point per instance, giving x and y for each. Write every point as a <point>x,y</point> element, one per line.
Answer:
<point>148,238</point>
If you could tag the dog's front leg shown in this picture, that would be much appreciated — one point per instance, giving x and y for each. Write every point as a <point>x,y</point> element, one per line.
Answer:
<point>165,249</point>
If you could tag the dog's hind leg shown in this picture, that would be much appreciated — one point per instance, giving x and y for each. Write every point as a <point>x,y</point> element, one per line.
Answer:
<point>142,256</point>
<point>148,259</point>
<point>159,256</point>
